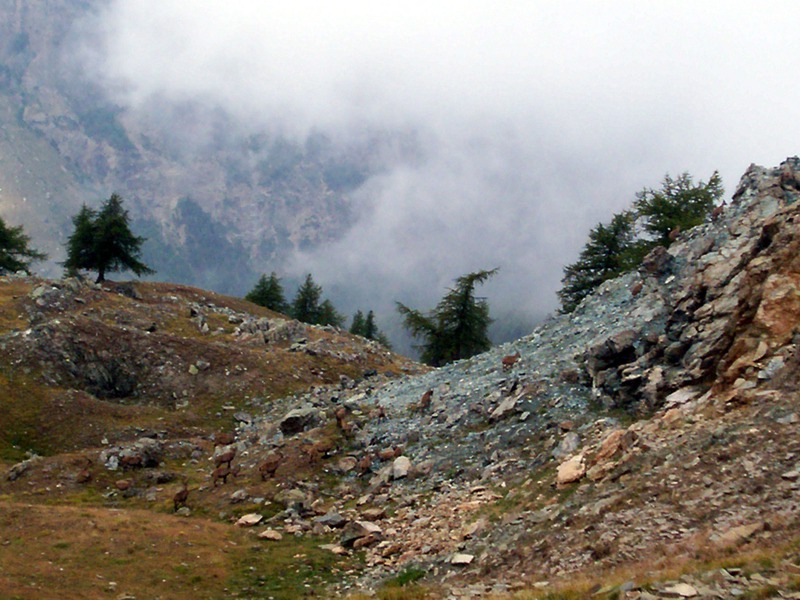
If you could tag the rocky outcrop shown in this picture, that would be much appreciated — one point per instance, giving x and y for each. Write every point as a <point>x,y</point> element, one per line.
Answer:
<point>736,272</point>
<point>144,453</point>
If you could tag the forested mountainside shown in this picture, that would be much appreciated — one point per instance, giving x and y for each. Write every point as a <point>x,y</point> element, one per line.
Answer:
<point>197,185</point>
<point>161,439</point>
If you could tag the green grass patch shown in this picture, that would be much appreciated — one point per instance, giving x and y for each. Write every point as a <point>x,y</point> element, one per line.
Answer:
<point>288,569</point>
<point>405,577</point>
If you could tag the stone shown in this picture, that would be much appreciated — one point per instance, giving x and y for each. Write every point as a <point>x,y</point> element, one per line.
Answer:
<point>681,396</point>
<point>297,420</point>
<point>681,590</point>
<point>249,520</point>
<point>19,469</point>
<point>239,496</point>
<point>243,417</point>
<point>779,309</point>
<point>470,530</point>
<point>570,471</point>
<point>373,514</point>
<point>346,464</point>
<point>461,559</point>
<point>505,408</point>
<point>600,470</point>
<point>568,445</point>
<point>401,467</point>
<point>270,534</point>
<point>672,416</point>
<point>740,534</point>
<point>775,364</point>
<point>332,519</point>
<point>789,419</point>
<point>144,453</point>
<point>291,497</point>
<point>610,446</point>
<point>355,530</point>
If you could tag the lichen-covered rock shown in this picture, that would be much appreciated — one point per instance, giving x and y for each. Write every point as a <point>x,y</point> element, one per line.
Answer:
<point>298,419</point>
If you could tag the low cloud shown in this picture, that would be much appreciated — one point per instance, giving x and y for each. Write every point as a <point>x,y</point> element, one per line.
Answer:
<point>534,121</point>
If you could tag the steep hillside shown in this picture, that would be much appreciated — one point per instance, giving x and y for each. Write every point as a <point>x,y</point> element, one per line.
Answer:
<point>113,395</point>
<point>651,431</point>
<point>644,446</point>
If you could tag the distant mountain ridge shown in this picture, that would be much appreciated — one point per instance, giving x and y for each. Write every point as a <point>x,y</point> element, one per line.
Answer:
<point>188,173</point>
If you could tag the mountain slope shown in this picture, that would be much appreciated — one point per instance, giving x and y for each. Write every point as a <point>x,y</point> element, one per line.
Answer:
<point>643,446</point>
<point>646,426</point>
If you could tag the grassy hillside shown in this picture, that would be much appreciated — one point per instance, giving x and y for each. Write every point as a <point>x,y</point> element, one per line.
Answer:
<point>84,368</point>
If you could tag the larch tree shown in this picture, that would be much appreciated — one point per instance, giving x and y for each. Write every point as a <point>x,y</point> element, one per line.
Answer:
<point>305,306</point>
<point>357,327</point>
<point>268,292</point>
<point>679,205</point>
<point>328,315</point>
<point>15,251</point>
<point>80,245</point>
<point>103,241</point>
<point>457,328</point>
<point>656,218</point>
<point>612,250</point>
<point>366,327</point>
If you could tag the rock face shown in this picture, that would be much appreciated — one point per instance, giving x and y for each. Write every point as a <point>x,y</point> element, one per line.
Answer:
<point>685,326</point>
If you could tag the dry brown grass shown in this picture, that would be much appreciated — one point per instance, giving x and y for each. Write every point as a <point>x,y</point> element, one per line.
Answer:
<point>80,552</point>
<point>61,538</point>
<point>12,313</point>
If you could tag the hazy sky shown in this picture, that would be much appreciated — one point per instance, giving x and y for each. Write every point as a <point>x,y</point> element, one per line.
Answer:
<point>536,120</point>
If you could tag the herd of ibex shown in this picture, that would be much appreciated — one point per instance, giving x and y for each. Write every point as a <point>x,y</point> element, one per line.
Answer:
<point>269,466</point>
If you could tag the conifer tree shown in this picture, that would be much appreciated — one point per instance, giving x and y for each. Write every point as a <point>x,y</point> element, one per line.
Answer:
<point>367,328</point>
<point>457,327</point>
<point>612,249</point>
<point>102,241</point>
<point>268,292</point>
<point>357,327</point>
<point>328,315</point>
<point>370,328</point>
<point>678,206</point>
<point>371,331</point>
<point>15,252</point>
<point>81,243</point>
<point>305,306</point>
<point>617,248</point>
